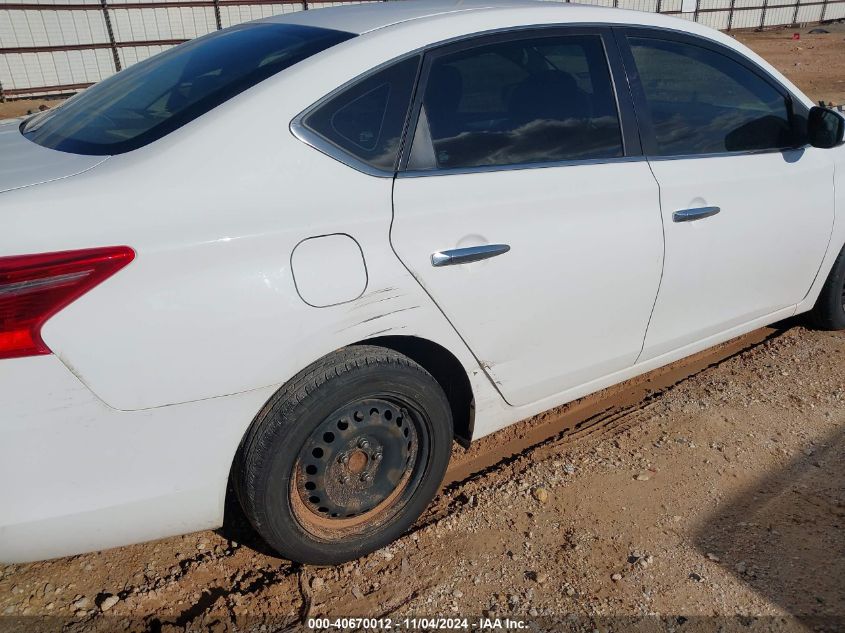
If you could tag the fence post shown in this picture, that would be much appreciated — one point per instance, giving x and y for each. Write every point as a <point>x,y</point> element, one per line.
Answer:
<point>110,32</point>
<point>659,6</point>
<point>217,14</point>
<point>824,11</point>
<point>2,94</point>
<point>763,15</point>
<point>731,15</point>
<point>795,13</point>
<point>305,5</point>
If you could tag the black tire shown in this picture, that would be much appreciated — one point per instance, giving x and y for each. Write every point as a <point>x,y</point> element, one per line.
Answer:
<point>829,311</point>
<point>407,429</point>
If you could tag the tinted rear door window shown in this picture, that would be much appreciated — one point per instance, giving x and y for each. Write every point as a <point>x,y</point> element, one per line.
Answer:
<point>702,102</point>
<point>532,100</point>
<point>154,97</point>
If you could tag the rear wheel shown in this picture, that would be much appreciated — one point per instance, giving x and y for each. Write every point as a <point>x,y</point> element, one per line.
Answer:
<point>345,458</point>
<point>829,311</point>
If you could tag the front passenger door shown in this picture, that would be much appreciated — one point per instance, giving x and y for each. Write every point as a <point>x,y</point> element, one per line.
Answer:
<point>525,151</point>
<point>747,216</point>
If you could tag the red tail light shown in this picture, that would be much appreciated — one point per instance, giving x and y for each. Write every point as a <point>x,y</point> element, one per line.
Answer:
<point>34,287</point>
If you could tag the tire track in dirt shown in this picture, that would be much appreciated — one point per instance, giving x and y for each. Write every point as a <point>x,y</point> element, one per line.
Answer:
<point>606,411</point>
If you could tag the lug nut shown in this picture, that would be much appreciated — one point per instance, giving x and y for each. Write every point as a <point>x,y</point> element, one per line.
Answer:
<point>376,457</point>
<point>344,478</point>
<point>365,477</point>
<point>363,443</point>
<point>343,459</point>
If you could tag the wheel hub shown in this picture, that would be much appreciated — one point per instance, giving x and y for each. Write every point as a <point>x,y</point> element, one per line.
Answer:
<point>356,458</point>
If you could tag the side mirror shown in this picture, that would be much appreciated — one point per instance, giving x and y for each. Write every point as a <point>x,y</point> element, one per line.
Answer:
<point>825,128</point>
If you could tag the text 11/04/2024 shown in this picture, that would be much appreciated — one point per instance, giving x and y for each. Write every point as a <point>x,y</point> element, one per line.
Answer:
<point>416,624</point>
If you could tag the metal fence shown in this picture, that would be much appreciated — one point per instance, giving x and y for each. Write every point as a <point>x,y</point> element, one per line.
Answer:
<point>51,47</point>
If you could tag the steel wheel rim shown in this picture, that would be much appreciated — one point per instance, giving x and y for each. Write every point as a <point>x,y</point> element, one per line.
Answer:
<point>359,466</point>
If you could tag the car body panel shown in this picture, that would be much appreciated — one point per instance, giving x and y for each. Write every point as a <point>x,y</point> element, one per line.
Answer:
<point>759,254</point>
<point>837,236</point>
<point>545,316</point>
<point>23,163</point>
<point>113,477</point>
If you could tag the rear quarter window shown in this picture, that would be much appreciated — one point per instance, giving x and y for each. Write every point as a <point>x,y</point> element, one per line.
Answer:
<point>366,119</point>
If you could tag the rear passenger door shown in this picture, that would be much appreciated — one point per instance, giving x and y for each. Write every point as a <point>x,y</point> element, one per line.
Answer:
<point>747,205</point>
<point>524,207</point>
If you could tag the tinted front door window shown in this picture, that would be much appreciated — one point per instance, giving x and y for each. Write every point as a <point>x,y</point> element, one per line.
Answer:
<point>703,102</point>
<point>523,101</point>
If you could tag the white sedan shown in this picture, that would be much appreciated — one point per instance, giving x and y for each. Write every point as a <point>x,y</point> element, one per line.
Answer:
<point>304,255</point>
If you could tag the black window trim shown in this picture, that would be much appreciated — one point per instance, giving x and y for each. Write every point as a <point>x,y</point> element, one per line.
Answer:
<point>630,135</point>
<point>632,150</point>
<point>795,105</point>
<point>637,134</point>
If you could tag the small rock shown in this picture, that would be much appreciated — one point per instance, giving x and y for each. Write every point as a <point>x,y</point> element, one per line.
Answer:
<point>695,577</point>
<point>642,477</point>
<point>109,602</point>
<point>541,494</point>
<point>740,567</point>
<point>457,593</point>
<point>317,583</point>
<point>533,612</point>
<point>616,577</point>
<point>542,578</point>
<point>357,593</point>
<point>713,557</point>
<point>82,603</point>
<point>570,591</point>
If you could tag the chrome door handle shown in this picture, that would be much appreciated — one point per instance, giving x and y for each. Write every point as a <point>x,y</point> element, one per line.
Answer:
<point>691,215</point>
<point>467,255</point>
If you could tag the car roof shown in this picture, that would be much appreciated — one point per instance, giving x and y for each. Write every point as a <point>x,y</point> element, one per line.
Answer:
<point>420,23</point>
<point>363,18</point>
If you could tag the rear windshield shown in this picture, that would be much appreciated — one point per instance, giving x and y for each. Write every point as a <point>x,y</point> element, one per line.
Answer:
<point>154,97</point>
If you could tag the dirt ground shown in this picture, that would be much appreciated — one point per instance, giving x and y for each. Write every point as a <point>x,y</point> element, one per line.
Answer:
<point>714,502</point>
<point>815,62</point>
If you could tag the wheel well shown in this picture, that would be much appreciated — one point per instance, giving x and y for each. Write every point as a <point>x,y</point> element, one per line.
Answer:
<point>446,369</point>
